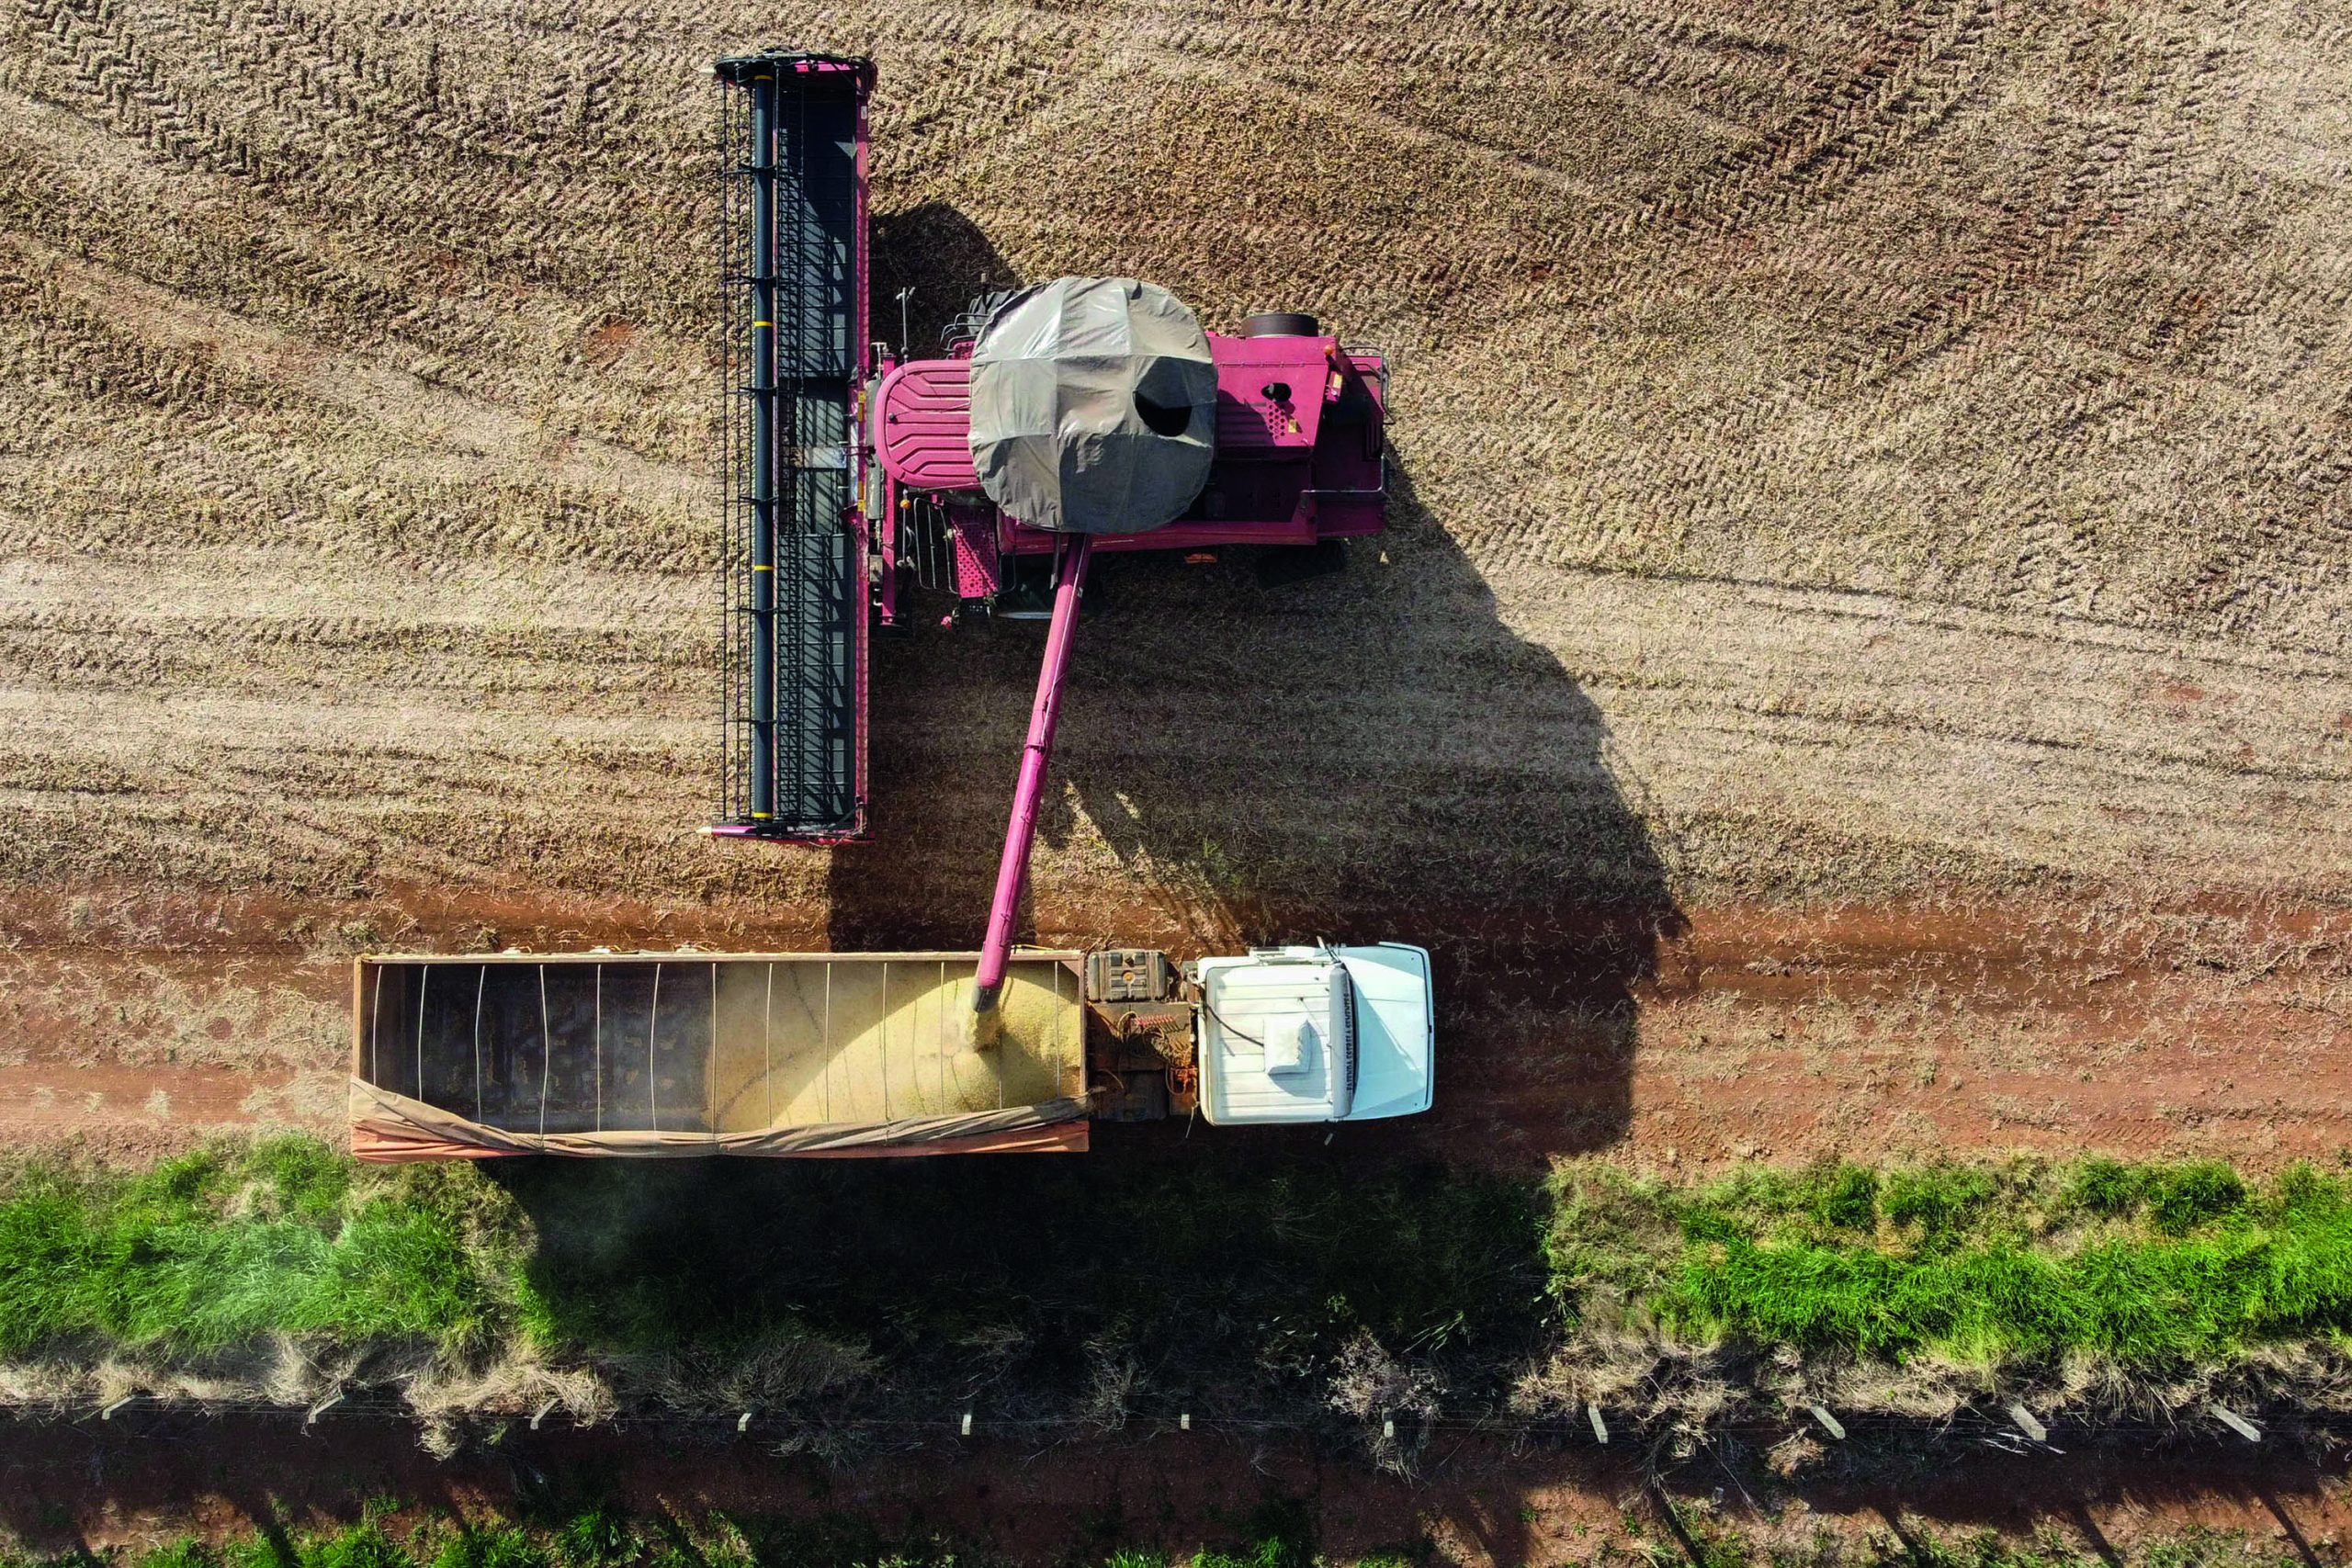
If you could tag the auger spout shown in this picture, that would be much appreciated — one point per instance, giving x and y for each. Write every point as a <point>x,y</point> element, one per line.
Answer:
<point>1070,555</point>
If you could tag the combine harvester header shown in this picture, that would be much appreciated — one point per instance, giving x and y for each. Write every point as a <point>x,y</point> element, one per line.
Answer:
<point>1073,417</point>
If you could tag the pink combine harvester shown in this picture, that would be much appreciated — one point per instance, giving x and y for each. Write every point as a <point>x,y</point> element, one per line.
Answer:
<point>1074,416</point>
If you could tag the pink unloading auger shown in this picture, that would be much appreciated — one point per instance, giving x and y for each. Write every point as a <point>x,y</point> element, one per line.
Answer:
<point>1070,418</point>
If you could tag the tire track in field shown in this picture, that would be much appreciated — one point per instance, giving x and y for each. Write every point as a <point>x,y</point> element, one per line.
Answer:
<point>2109,187</point>
<point>1918,71</point>
<point>1854,121</point>
<point>570,670</point>
<point>1181,64</point>
<point>391,400</point>
<point>2145,159</point>
<point>398,289</point>
<point>267,794</point>
<point>1457,89</point>
<point>2102,194</point>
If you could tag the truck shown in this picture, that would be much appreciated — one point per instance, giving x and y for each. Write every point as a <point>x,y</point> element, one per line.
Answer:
<point>478,1056</point>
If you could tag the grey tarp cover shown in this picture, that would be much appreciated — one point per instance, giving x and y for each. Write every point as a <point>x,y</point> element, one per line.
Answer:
<point>1067,380</point>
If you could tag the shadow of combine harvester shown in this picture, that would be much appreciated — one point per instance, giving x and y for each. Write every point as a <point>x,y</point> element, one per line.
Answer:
<point>1273,750</point>
<point>1372,755</point>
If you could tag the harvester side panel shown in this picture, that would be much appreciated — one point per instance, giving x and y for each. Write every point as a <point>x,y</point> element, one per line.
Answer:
<point>793,240</point>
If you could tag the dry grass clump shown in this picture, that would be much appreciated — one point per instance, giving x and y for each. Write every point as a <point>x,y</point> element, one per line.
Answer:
<point>799,1371</point>
<point>1397,1400</point>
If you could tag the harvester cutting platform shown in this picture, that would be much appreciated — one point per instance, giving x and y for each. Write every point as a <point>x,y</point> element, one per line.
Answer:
<point>1066,419</point>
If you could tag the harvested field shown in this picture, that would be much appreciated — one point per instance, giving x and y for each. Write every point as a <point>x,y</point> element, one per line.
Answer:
<point>1862,662</point>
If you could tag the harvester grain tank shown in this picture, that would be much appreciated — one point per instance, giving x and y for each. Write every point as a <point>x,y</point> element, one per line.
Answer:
<point>1072,418</point>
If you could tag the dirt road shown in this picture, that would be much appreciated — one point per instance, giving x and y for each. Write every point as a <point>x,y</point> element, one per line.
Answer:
<point>143,1023</point>
<point>1860,659</point>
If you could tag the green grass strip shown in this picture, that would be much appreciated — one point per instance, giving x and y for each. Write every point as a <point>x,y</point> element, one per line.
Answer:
<point>2155,1265</point>
<point>219,1248</point>
<point>1212,1267</point>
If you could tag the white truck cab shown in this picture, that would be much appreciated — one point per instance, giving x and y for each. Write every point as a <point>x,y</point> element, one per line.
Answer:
<point>1316,1034</point>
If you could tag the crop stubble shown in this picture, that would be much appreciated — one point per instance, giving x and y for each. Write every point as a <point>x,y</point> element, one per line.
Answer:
<point>1869,467</point>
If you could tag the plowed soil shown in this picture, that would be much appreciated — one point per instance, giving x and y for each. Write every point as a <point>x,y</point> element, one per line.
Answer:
<point>1859,662</point>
